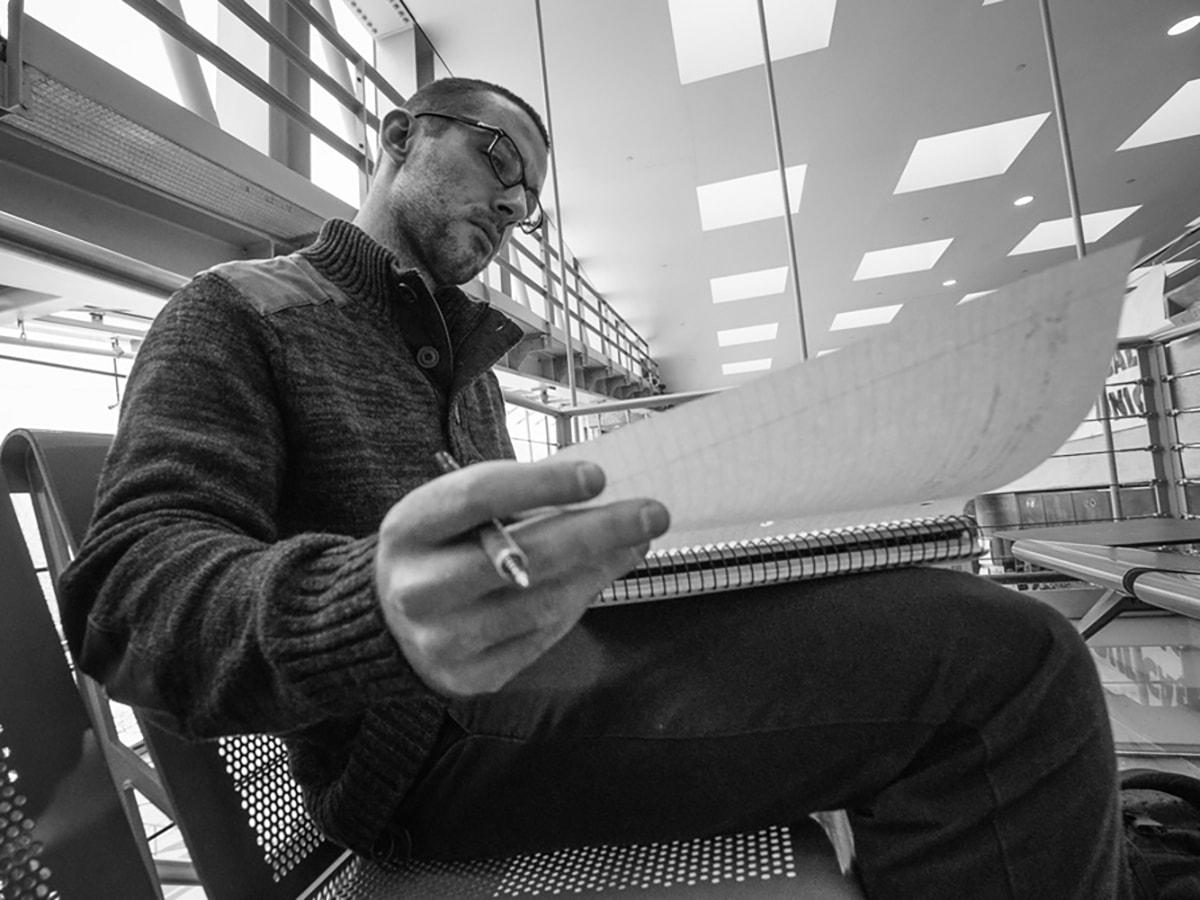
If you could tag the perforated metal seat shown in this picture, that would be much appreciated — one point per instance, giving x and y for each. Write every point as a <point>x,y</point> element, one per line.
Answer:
<point>242,815</point>
<point>63,832</point>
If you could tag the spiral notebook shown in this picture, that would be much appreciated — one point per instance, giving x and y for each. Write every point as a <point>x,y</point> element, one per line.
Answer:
<point>711,568</point>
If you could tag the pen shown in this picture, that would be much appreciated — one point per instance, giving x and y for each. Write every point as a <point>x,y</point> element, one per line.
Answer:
<point>508,559</point>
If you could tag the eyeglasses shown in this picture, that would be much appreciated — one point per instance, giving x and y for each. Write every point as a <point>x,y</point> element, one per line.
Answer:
<point>507,166</point>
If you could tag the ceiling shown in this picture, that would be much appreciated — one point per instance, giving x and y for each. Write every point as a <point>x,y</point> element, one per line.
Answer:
<point>633,144</point>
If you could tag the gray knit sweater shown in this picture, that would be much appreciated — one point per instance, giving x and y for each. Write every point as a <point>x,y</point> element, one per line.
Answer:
<point>274,414</point>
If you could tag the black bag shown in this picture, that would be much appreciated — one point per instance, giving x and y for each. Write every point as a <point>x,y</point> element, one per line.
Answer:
<point>1161,811</point>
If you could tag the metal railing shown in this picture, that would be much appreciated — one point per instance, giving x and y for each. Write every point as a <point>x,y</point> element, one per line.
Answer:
<point>527,272</point>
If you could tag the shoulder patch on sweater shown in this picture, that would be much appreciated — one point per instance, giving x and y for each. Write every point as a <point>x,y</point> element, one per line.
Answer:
<point>273,285</point>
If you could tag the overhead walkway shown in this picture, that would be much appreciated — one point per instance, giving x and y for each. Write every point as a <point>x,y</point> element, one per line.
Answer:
<point>105,177</point>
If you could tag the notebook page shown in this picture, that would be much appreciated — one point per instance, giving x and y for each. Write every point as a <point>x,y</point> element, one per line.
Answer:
<point>911,421</point>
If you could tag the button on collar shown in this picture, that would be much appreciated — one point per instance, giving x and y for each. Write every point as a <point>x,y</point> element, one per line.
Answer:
<point>428,357</point>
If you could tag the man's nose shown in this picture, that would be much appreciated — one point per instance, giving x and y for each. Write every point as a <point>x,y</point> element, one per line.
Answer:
<point>511,204</point>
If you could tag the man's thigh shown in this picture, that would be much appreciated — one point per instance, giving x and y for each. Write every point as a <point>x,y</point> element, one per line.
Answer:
<point>662,720</point>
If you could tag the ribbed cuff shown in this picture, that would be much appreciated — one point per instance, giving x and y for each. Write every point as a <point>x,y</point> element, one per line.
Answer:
<point>330,639</point>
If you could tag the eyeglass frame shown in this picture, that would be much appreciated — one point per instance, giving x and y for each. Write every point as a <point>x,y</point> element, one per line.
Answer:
<point>533,219</point>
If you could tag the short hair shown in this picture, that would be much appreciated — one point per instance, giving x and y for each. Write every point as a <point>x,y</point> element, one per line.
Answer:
<point>463,96</point>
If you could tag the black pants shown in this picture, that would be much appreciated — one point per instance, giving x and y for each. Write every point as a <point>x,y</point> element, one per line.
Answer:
<point>961,725</point>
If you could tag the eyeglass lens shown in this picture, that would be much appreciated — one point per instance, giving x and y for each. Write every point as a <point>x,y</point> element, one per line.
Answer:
<point>509,168</point>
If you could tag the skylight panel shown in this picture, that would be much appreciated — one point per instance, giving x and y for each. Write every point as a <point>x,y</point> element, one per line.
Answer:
<point>715,37</point>
<point>1060,233</point>
<point>864,318</point>
<point>1178,118</point>
<point>751,334</point>
<point>967,155</point>
<point>763,283</point>
<point>898,260</point>
<point>974,295</point>
<point>748,365</point>
<point>750,198</point>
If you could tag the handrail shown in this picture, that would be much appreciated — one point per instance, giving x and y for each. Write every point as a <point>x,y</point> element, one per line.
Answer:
<point>575,314</point>
<point>172,25</point>
<point>296,55</point>
<point>330,33</point>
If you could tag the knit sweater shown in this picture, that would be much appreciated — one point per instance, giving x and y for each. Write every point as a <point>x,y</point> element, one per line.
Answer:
<point>274,414</point>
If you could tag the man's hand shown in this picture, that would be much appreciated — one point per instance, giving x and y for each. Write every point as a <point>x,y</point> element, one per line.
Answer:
<point>462,626</point>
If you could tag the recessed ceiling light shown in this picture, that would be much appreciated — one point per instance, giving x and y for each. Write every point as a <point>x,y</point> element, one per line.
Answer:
<point>1179,117</point>
<point>749,365</point>
<point>750,198</point>
<point>1023,201</point>
<point>828,350</point>
<point>762,283</point>
<point>967,155</point>
<point>898,260</point>
<point>974,295</point>
<point>949,282</point>
<point>1194,222</point>
<point>717,38</point>
<point>864,318</point>
<point>731,337</point>
<point>1184,25</point>
<point>1061,233</point>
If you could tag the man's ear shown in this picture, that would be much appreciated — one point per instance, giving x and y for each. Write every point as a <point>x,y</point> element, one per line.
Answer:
<point>395,137</point>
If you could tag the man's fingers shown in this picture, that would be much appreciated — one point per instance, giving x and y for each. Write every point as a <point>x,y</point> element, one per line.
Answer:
<point>558,545</point>
<point>448,506</point>
<point>570,553</point>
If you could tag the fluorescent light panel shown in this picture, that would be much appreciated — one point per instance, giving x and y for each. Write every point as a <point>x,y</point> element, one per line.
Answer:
<point>967,155</point>
<point>749,365</point>
<point>750,198</point>
<point>715,37</point>
<point>1178,118</point>
<point>898,260</point>
<point>751,334</point>
<point>763,283</point>
<point>864,318</point>
<point>1060,232</point>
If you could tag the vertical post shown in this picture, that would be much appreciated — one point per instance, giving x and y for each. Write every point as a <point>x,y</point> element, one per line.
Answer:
<point>12,63</point>
<point>782,165</point>
<point>355,125</point>
<point>562,254</point>
<point>368,164</point>
<point>424,57</point>
<point>1064,140</point>
<point>289,142</point>
<point>1164,436</point>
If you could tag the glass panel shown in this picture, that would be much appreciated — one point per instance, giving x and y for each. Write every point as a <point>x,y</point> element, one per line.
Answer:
<point>1150,669</point>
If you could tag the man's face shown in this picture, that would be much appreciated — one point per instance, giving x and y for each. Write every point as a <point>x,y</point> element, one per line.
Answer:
<point>449,208</point>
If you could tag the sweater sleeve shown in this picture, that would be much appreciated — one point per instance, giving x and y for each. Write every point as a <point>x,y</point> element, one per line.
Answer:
<point>183,599</point>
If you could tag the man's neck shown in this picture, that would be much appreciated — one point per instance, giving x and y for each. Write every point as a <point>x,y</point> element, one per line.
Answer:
<point>406,260</point>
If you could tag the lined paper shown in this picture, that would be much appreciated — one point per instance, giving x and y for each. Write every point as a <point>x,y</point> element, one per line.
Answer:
<point>911,421</point>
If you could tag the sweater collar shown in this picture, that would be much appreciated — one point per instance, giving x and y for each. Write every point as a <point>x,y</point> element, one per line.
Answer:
<point>368,273</point>
<point>361,267</point>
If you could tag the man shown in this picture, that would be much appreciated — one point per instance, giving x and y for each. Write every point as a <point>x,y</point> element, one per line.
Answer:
<point>274,550</point>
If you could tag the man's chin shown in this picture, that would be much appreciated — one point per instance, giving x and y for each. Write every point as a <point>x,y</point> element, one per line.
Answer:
<point>459,273</point>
